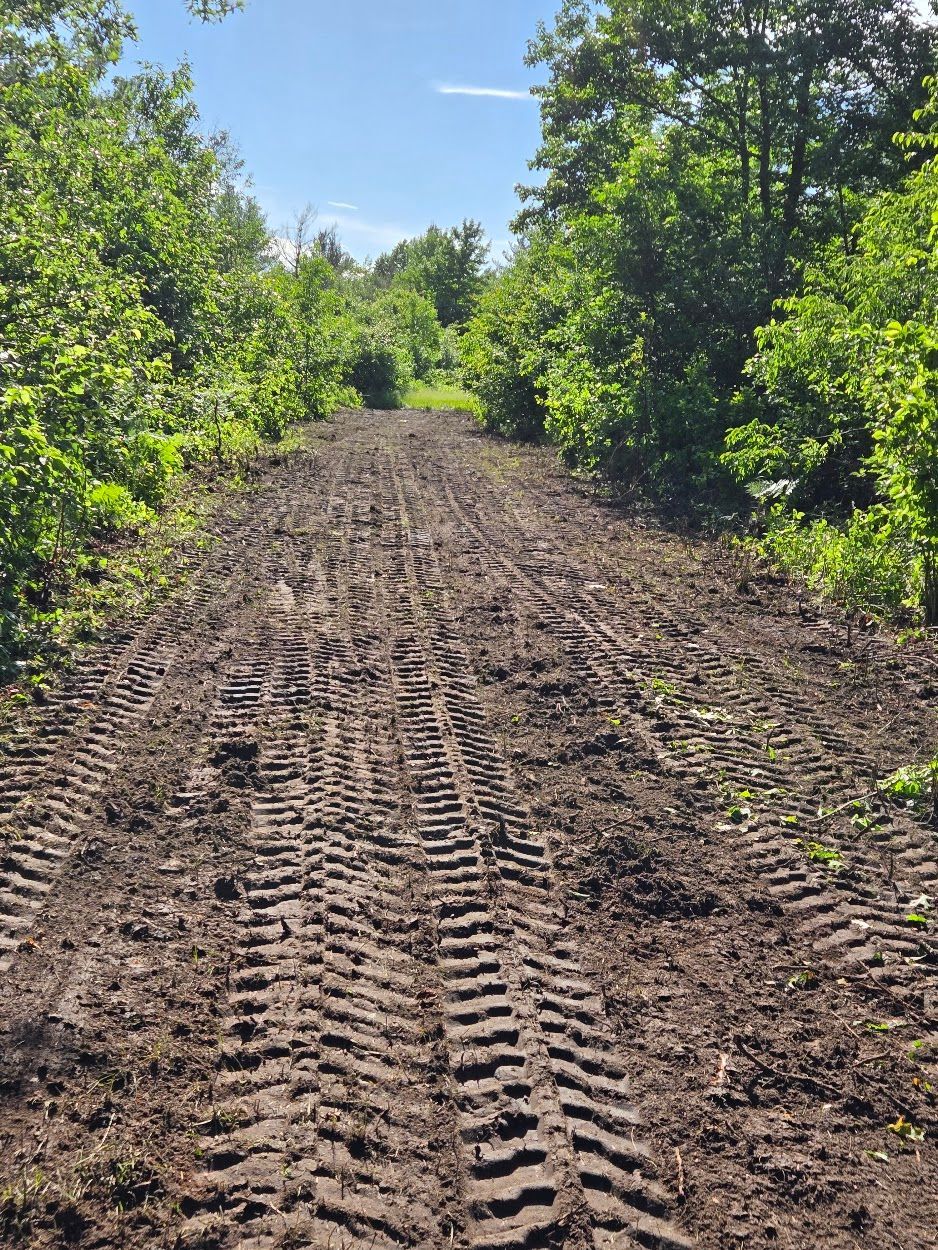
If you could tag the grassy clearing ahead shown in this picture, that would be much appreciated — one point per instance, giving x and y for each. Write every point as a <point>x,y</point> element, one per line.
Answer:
<point>442,395</point>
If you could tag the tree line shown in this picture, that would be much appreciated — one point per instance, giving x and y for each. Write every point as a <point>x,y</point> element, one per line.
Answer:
<point>149,323</point>
<point>724,283</point>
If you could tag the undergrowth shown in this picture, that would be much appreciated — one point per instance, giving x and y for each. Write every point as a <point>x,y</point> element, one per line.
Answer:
<point>867,565</point>
<point>143,556</point>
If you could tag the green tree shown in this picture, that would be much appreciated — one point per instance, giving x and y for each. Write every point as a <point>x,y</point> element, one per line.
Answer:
<point>505,351</point>
<point>413,320</point>
<point>142,328</point>
<point>791,104</point>
<point>90,32</point>
<point>846,382</point>
<point>445,265</point>
<point>696,154</point>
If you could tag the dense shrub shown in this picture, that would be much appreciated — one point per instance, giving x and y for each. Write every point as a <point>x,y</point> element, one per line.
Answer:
<point>847,378</point>
<point>143,329</point>
<point>705,175</point>
<point>381,368</point>
<point>866,563</point>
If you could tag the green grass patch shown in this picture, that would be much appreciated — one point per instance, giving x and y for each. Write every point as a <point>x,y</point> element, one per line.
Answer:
<point>438,395</point>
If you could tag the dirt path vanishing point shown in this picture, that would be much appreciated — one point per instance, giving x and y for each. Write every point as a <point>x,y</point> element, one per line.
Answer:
<point>440,869</point>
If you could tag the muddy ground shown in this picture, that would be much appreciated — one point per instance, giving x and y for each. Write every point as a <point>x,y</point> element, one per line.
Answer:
<point>457,861</point>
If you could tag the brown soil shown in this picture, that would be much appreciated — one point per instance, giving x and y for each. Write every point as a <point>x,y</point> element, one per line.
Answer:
<point>434,871</point>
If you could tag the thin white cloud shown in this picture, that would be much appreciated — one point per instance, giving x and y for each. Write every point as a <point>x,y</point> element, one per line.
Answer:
<point>492,93</point>
<point>353,208</point>
<point>362,237</point>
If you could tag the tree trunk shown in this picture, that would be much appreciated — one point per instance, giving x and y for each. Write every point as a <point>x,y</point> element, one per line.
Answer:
<point>745,156</point>
<point>763,71</point>
<point>799,150</point>
<point>844,232</point>
<point>765,185</point>
<point>930,563</point>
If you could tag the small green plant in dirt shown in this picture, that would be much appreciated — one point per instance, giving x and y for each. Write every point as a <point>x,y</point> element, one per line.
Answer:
<point>818,853</point>
<point>906,637</point>
<point>864,818</point>
<point>220,1121</point>
<point>914,787</point>
<point>712,715</point>
<point>742,561</point>
<point>739,803</point>
<point>805,979</point>
<point>19,1199</point>
<point>128,1181</point>
<point>663,688</point>
<point>908,1133</point>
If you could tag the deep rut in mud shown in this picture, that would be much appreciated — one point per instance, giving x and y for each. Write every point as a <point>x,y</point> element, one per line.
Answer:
<point>338,900</point>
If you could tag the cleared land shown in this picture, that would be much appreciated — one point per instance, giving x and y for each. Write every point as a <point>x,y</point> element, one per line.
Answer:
<point>439,869</point>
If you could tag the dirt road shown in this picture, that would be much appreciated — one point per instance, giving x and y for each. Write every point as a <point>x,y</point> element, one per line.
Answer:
<point>439,868</point>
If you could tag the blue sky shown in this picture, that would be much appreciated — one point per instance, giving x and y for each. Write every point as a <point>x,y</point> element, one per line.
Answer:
<point>358,106</point>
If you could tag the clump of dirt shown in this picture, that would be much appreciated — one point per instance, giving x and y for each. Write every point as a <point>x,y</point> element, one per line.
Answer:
<point>237,759</point>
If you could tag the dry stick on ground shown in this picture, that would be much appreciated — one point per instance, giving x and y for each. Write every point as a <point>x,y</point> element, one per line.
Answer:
<point>802,1078</point>
<point>860,798</point>
<point>616,825</point>
<point>680,1175</point>
<point>719,1078</point>
<point>865,975</point>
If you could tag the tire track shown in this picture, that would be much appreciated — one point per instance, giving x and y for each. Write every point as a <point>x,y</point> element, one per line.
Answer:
<point>826,764</point>
<point>324,1055</point>
<point>836,916</point>
<point>48,831</point>
<point>549,1150</point>
<point>410,1053</point>
<point>50,797</point>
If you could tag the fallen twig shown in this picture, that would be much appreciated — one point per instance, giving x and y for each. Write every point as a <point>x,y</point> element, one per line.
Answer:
<point>802,1078</point>
<point>718,1080</point>
<point>880,1054</point>
<point>616,825</point>
<point>680,1174</point>
<point>860,798</point>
